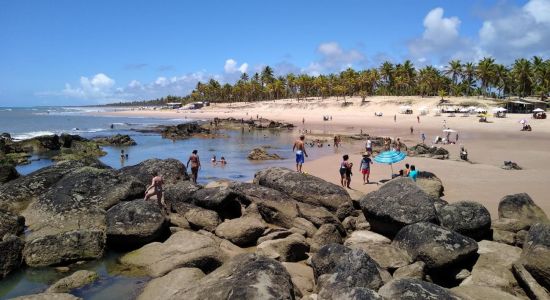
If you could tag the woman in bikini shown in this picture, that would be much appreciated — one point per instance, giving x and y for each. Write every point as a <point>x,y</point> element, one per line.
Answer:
<point>195,165</point>
<point>156,189</point>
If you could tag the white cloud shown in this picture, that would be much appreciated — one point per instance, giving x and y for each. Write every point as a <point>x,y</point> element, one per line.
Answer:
<point>100,85</point>
<point>231,67</point>
<point>509,32</point>
<point>334,59</point>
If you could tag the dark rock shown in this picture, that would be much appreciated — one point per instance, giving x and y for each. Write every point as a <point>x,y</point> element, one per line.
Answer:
<point>353,267</point>
<point>134,223</point>
<point>521,207</point>
<point>179,192</point>
<point>223,200</point>
<point>274,235</point>
<point>387,256</point>
<point>243,231</point>
<point>531,287</point>
<point>303,188</point>
<point>246,276</point>
<point>520,237</point>
<point>510,165</point>
<point>76,280</point>
<point>331,289</point>
<point>10,254</point>
<point>274,207</point>
<point>435,245</point>
<point>398,203</point>
<point>183,131</point>
<point>327,234</point>
<point>345,210</point>
<point>290,249</point>
<point>468,218</point>
<point>115,140</point>
<point>536,253</point>
<point>306,226</point>
<point>511,225</point>
<point>7,172</point>
<point>318,216</point>
<point>414,289</point>
<point>262,154</point>
<point>423,150</point>
<point>171,170</point>
<point>17,194</point>
<point>11,223</point>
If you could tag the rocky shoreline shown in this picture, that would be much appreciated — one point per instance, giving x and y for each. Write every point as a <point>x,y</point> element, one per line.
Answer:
<point>287,235</point>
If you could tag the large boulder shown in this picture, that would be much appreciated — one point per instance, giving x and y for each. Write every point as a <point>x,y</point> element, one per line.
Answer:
<point>318,216</point>
<point>198,217</point>
<point>262,154</point>
<point>167,286</point>
<point>10,254</point>
<point>243,231</point>
<point>430,184</point>
<point>330,288</point>
<point>353,267</point>
<point>414,289</point>
<point>7,172</point>
<point>476,292</point>
<point>11,223</point>
<point>15,195</point>
<point>115,140</point>
<point>183,249</point>
<point>178,193</point>
<point>274,207</point>
<point>290,249</point>
<point>529,284</point>
<point>536,253</point>
<point>327,234</point>
<point>133,223</point>
<point>522,208</point>
<point>48,296</point>
<point>398,203</point>
<point>76,280</point>
<point>386,255</point>
<point>302,277</point>
<point>365,237</point>
<point>415,271</point>
<point>468,218</point>
<point>223,200</point>
<point>302,187</point>
<point>246,276</point>
<point>435,245</point>
<point>171,170</point>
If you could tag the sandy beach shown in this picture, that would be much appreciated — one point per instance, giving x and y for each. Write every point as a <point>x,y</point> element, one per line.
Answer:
<point>488,144</point>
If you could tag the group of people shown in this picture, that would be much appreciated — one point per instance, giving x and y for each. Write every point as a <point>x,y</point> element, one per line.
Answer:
<point>391,144</point>
<point>346,169</point>
<point>215,162</point>
<point>409,171</point>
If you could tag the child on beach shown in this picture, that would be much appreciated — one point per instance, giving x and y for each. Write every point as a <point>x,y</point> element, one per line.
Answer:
<point>413,174</point>
<point>364,166</point>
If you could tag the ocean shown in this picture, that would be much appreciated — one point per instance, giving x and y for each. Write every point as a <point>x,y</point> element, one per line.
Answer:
<point>24,123</point>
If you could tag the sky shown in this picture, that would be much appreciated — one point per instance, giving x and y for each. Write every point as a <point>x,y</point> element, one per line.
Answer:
<point>69,52</point>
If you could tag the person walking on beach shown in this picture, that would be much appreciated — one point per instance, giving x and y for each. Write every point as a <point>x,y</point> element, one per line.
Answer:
<point>345,171</point>
<point>195,165</point>
<point>155,189</point>
<point>394,118</point>
<point>418,119</point>
<point>412,130</point>
<point>365,167</point>
<point>300,149</point>
<point>303,121</point>
<point>368,146</point>
<point>336,141</point>
<point>423,137</point>
<point>456,138</point>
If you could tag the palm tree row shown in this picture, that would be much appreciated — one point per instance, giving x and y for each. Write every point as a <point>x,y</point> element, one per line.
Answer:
<point>486,79</point>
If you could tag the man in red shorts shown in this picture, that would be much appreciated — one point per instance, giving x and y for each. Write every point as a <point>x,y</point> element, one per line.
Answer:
<point>364,166</point>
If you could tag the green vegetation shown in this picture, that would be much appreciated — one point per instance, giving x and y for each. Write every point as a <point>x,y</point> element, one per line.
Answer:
<point>486,78</point>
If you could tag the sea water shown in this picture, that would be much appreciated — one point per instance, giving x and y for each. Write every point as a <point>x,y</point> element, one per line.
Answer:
<point>234,145</point>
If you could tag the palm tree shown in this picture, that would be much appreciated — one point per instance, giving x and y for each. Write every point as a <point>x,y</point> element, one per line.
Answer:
<point>485,71</point>
<point>469,74</point>
<point>267,75</point>
<point>386,72</point>
<point>521,72</point>
<point>454,69</point>
<point>541,74</point>
<point>502,79</point>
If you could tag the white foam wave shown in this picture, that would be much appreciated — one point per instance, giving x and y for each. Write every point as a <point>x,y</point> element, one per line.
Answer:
<point>30,135</point>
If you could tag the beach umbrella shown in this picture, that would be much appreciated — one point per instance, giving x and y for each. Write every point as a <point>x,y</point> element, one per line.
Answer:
<point>538,110</point>
<point>481,110</point>
<point>390,157</point>
<point>522,121</point>
<point>449,130</point>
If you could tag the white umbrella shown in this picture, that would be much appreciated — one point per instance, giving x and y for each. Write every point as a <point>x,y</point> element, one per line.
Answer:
<point>522,121</point>
<point>499,109</point>
<point>449,130</point>
<point>538,110</point>
<point>479,110</point>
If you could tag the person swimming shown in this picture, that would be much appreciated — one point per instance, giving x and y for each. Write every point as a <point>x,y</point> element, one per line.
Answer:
<point>223,162</point>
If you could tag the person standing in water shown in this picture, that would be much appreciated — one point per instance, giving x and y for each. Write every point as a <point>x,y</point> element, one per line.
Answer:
<point>195,165</point>
<point>155,189</point>
<point>300,152</point>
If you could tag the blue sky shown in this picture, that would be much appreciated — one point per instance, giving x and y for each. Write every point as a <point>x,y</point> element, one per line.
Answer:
<point>85,52</point>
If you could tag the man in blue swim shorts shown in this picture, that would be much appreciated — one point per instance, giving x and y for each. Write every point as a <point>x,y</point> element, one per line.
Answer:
<point>300,152</point>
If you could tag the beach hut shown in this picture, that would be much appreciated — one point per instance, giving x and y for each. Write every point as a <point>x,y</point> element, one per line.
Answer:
<point>519,107</point>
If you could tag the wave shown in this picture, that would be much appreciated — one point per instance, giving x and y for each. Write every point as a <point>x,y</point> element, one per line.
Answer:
<point>30,135</point>
<point>6,109</point>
